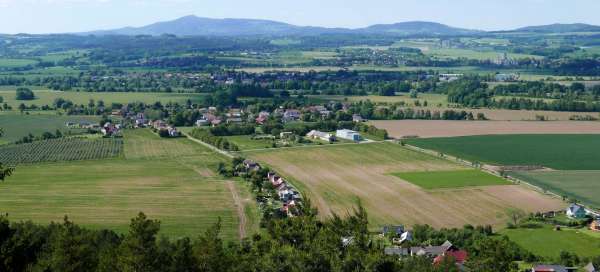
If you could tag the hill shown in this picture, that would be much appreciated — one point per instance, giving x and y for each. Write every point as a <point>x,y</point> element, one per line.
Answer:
<point>417,28</point>
<point>560,28</point>
<point>199,26</point>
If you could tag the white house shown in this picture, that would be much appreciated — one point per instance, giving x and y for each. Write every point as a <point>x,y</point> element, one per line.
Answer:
<point>576,211</point>
<point>348,135</point>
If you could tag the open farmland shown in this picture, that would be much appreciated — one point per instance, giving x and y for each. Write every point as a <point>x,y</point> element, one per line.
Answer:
<point>18,125</point>
<point>64,149</point>
<point>47,97</point>
<point>451,179</point>
<point>583,186</point>
<point>547,242</point>
<point>443,128</point>
<point>561,152</point>
<point>181,191</point>
<point>335,176</point>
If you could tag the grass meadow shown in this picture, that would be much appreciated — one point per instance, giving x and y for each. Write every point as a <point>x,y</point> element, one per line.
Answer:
<point>168,179</point>
<point>583,186</point>
<point>17,125</point>
<point>451,179</point>
<point>547,242</point>
<point>336,176</point>
<point>561,152</point>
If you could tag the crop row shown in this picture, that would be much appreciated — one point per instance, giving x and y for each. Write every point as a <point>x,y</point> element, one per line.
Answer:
<point>65,149</point>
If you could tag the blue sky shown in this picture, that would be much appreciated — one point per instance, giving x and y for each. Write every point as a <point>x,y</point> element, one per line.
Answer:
<point>54,16</point>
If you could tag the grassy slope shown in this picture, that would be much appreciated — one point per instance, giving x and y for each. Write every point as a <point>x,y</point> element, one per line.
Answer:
<point>547,150</point>
<point>451,179</point>
<point>581,185</point>
<point>549,243</point>
<point>156,177</point>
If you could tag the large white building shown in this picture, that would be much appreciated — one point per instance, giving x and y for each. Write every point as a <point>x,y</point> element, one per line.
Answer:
<point>348,135</point>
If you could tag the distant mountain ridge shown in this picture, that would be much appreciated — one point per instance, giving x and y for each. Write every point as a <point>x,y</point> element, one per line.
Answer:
<point>560,28</point>
<point>200,26</point>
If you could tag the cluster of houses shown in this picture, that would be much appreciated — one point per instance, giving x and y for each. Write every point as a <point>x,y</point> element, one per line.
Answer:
<point>288,195</point>
<point>160,125</point>
<point>437,254</point>
<point>210,116</point>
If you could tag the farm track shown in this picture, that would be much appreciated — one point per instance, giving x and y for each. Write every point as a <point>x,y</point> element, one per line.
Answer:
<point>239,208</point>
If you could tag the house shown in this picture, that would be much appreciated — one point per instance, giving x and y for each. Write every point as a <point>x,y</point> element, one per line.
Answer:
<point>459,257</point>
<point>398,251</point>
<point>595,225</point>
<point>317,108</point>
<point>392,230</point>
<point>215,122</point>
<point>173,132</point>
<point>348,135</point>
<point>234,120</point>
<point>552,268</point>
<point>140,120</point>
<point>589,268</point>
<point>576,211</point>
<point>291,115</point>
<point>286,135</point>
<point>110,129</point>
<point>275,179</point>
<point>450,77</point>
<point>201,122</point>
<point>356,118</point>
<point>346,241</point>
<point>315,134</point>
<point>263,116</point>
<point>251,165</point>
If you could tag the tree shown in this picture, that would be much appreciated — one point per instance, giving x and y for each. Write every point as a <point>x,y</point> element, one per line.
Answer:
<point>209,250</point>
<point>24,94</point>
<point>139,251</point>
<point>5,172</point>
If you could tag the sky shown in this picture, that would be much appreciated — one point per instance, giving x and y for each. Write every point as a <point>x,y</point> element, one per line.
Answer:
<point>60,16</point>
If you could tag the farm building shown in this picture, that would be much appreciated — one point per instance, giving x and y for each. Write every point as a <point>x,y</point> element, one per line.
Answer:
<point>357,118</point>
<point>348,135</point>
<point>576,211</point>
<point>315,134</point>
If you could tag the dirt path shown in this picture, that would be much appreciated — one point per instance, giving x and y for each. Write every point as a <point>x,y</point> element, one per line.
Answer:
<point>224,153</point>
<point>240,208</point>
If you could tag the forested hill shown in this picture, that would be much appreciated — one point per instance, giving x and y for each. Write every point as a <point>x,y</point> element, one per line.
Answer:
<point>198,26</point>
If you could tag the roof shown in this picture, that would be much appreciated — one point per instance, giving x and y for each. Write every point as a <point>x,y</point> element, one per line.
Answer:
<point>399,229</point>
<point>396,251</point>
<point>459,256</point>
<point>549,268</point>
<point>575,208</point>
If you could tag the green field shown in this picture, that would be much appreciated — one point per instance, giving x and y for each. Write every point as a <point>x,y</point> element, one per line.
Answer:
<point>583,186</point>
<point>16,63</point>
<point>181,190</point>
<point>561,152</point>
<point>64,149</point>
<point>18,125</point>
<point>549,243</point>
<point>47,97</point>
<point>245,142</point>
<point>451,179</point>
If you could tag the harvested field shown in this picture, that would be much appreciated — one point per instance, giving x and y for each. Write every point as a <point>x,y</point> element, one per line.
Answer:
<point>334,176</point>
<point>442,128</point>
